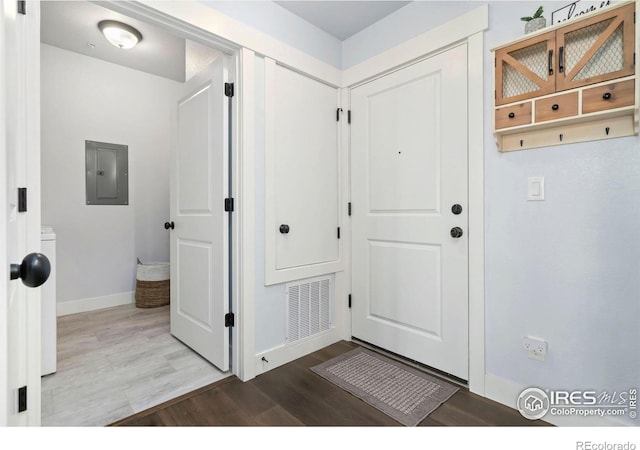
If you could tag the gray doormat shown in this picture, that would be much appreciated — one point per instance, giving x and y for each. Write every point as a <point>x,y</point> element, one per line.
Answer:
<point>401,392</point>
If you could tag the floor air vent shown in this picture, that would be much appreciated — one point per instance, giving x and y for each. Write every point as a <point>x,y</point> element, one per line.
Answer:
<point>308,307</point>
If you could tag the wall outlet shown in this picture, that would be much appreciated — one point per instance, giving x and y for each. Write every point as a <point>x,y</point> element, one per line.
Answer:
<point>536,348</point>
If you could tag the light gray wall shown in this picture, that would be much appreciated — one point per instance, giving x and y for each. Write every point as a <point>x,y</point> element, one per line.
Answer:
<point>566,269</point>
<point>273,20</point>
<point>400,26</point>
<point>87,99</point>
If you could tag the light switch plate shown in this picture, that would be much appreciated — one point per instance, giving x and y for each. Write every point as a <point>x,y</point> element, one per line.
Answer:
<point>536,188</point>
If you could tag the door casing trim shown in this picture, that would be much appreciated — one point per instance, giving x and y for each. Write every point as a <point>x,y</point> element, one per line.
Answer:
<point>242,152</point>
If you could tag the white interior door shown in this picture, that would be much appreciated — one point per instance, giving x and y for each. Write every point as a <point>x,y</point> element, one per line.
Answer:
<point>409,167</point>
<point>199,241</point>
<point>306,170</point>
<point>19,231</point>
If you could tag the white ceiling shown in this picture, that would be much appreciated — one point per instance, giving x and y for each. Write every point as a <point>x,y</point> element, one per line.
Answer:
<point>342,19</point>
<point>73,25</point>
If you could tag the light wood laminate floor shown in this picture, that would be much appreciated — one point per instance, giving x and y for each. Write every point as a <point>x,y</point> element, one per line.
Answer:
<point>293,395</point>
<point>116,362</point>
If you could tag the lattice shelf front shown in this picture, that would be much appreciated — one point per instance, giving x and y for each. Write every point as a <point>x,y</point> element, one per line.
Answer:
<point>534,57</point>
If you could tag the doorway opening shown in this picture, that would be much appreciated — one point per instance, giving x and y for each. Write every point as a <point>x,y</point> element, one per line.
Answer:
<point>154,99</point>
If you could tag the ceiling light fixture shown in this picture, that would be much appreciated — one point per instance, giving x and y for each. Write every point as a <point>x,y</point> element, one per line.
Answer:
<point>120,34</point>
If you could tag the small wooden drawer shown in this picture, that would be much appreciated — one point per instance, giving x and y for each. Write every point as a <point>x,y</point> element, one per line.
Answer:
<point>609,96</point>
<point>514,115</point>
<point>557,107</point>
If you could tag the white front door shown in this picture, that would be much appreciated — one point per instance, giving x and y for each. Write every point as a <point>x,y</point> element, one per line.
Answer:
<point>409,168</point>
<point>199,240</point>
<point>19,231</point>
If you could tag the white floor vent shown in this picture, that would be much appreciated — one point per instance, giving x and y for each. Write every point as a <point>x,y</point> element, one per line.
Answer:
<point>308,307</point>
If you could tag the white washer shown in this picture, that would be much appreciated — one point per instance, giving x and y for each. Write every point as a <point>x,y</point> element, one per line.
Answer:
<point>49,326</point>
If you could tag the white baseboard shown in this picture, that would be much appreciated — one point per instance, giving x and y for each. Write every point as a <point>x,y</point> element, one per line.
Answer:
<point>507,392</point>
<point>91,304</point>
<point>283,354</point>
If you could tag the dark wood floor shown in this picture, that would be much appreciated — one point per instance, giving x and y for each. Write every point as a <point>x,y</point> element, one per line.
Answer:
<point>293,395</point>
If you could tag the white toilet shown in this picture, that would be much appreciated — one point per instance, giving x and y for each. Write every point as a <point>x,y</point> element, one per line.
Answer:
<point>49,327</point>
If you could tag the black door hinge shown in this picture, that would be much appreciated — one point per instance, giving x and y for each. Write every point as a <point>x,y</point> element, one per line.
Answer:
<point>22,399</point>
<point>228,89</point>
<point>228,204</point>
<point>338,111</point>
<point>338,232</point>
<point>349,300</point>
<point>229,320</point>
<point>349,116</point>
<point>22,199</point>
<point>22,7</point>
<point>349,208</point>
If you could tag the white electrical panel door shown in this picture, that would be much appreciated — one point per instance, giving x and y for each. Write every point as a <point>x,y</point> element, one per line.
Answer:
<point>410,209</point>
<point>199,236</point>
<point>305,162</point>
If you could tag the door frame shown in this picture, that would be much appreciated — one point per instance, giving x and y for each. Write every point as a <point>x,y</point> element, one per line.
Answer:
<point>241,187</point>
<point>467,28</point>
<point>31,108</point>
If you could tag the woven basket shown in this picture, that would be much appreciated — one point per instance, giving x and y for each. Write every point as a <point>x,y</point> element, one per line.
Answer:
<point>153,285</point>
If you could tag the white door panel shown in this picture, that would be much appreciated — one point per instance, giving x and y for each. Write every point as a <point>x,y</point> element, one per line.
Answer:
<point>409,166</point>
<point>306,168</point>
<point>395,147</point>
<point>194,166</point>
<point>194,265</point>
<point>397,270</point>
<point>199,241</point>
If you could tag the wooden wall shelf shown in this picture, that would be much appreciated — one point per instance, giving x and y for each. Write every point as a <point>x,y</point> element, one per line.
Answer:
<point>569,83</point>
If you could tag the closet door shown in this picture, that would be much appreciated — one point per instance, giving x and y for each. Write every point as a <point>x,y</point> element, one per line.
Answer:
<point>301,223</point>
